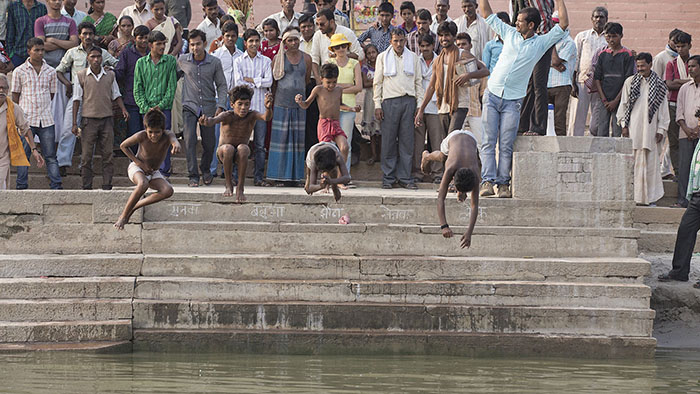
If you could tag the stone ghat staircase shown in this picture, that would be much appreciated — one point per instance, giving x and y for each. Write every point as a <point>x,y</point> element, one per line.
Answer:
<point>279,275</point>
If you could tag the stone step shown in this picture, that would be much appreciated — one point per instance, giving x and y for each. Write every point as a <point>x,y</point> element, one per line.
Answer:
<point>382,239</point>
<point>269,266</point>
<point>65,309</point>
<point>486,292</point>
<point>389,207</point>
<point>39,181</point>
<point>345,342</point>
<point>657,218</point>
<point>86,347</point>
<point>65,331</point>
<point>391,317</point>
<point>89,265</point>
<point>37,288</point>
<point>660,242</point>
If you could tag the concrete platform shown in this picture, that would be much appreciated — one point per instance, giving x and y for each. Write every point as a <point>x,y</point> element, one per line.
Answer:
<point>36,288</point>
<point>514,293</point>
<point>344,342</point>
<point>436,318</point>
<point>65,331</point>
<point>65,309</point>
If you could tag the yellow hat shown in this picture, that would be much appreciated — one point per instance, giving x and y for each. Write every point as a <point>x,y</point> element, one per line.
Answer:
<point>338,39</point>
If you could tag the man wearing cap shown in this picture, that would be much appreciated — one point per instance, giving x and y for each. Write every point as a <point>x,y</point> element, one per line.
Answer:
<point>322,39</point>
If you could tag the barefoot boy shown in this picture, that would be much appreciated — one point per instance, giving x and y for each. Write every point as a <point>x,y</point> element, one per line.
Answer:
<point>329,105</point>
<point>460,155</point>
<point>323,162</point>
<point>144,168</point>
<point>236,126</point>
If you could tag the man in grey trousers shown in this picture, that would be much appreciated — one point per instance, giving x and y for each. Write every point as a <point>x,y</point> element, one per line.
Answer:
<point>398,90</point>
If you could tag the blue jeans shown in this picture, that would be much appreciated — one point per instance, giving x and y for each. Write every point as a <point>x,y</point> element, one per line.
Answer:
<point>134,124</point>
<point>500,118</point>
<point>47,139</point>
<point>347,123</point>
<point>259,132</point>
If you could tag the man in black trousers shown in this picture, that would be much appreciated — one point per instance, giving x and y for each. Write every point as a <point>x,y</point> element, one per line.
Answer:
<point>533,113</point>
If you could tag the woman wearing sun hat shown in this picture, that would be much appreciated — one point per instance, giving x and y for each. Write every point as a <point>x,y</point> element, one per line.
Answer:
<point>350,79</point>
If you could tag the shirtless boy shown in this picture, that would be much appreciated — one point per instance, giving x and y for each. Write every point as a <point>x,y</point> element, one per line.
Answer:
<point>329,96</point>
<point>323,162</point>
<point>236,126</point>
<point>143,171</point>
<point>460,155</point>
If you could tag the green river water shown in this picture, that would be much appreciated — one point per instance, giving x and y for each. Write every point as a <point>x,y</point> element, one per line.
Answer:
<point>671,371</point>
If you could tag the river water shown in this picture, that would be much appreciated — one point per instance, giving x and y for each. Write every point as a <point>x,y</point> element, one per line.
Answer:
<point>671,371</point>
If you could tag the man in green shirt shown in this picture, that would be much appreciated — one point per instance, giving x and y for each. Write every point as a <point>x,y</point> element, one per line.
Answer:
<point>155,81</point>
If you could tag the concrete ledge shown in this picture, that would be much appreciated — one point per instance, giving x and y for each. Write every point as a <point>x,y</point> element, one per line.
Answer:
<point>369,343</point>
<point>34,288</point>
<point>102,347</point>
<point>64,310</point>
<point>61,331</point>
<point>92,265</point>
<point>391,317</point>
<point>380,268</point>
<point>488,292</point>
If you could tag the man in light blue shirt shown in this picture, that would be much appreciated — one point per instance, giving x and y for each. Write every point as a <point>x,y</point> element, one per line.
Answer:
<point>507,86</point>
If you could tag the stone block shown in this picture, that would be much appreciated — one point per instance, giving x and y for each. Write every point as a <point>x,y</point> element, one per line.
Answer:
<point>601,166</point>
<point>64,310</point>
<point>92,265</point>
<point>35,288</point>
<point>71,331</point>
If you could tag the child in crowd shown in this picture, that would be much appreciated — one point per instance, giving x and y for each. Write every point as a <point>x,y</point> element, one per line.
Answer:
<point>329,96</point>
<point>271,44</point>
<point>493,48</point>
<point>153,144</point>
<point>407,10</point>
<point>460,155</point>
<point>236,127</point>
<point>96,89</point>
<point>615,64</point>
<point>379,34</point>
<point>323,164</point>
<point>370,125</point>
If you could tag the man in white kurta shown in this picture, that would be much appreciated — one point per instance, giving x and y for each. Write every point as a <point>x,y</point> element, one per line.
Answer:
<point>645,94</point>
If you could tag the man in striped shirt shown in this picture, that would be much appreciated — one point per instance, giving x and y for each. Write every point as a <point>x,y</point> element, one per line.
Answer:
<point>254,70</point>
<point>33,87</point>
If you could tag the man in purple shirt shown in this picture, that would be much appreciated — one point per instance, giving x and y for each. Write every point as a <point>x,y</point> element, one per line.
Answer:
<point>124,72</point>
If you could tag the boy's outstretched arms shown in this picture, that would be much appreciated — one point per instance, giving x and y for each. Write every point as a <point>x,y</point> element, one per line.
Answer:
<point>269,102</point>
<point>305,104</point>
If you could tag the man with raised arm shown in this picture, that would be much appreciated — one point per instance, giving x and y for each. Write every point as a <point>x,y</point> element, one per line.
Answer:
<point>522,49</point>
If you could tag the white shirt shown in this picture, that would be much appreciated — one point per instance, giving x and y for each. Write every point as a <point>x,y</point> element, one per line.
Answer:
<point>77,16</point>
<point>259,69</point>
<point>319,49</point>
<point>213,31</point>
<point>479,31</point>
<point>401,84</point>
<point>140,18</point>
<point>435,24</point>
<point>427,71</point>
<point>587,44</point>
<point>227,58</point>
<point>78,90</point>
<point>282,21</point>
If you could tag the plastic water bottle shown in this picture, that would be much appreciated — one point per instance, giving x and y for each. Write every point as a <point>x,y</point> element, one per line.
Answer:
<point>550,121</point>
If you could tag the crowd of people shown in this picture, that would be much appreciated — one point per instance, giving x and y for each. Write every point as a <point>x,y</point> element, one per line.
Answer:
<point>95,76</point>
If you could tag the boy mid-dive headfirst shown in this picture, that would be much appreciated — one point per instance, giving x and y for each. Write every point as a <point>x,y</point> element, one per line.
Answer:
<point>325,167</point>
<point>458,151</point>
<point>144,168</point>
<point>236,127</point>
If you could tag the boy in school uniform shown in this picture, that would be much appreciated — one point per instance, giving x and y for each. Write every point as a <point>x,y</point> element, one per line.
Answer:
<point>236,127</point>
<point>96,89</point>
<point>153,144</point>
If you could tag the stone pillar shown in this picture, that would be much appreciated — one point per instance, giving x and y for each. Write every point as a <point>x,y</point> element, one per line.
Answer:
<point>573,169</point>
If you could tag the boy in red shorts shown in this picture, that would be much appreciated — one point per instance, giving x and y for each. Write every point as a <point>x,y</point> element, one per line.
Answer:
<point>329,105</point>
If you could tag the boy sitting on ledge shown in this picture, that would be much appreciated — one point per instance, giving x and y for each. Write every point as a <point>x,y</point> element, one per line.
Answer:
<point>236,127</point>
<point>460,156</point>
<point>143,170</point>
